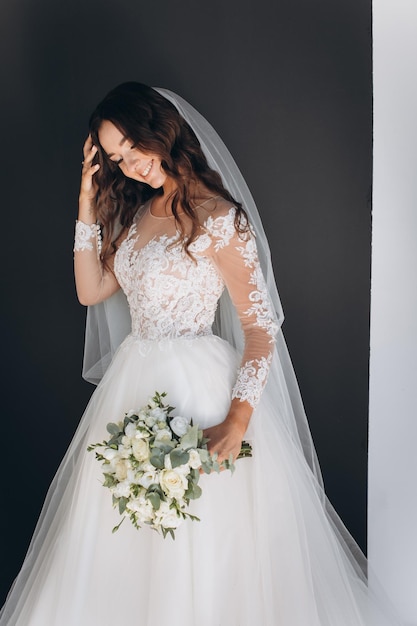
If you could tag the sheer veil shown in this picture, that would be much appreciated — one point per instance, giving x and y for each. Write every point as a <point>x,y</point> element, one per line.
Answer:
<point>109,322</point>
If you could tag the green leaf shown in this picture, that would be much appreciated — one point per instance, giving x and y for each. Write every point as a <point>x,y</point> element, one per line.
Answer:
<point>157,458</point>
<point>190,439</point>
<point>207,466</point>
<point>113,429</point>
<point>166,531</point>
<point>109,480</point>
<point>155,499</point>
<point>166,446</point>
<point>193,491</point>
<point>178,457</point>
<point>122,504</point>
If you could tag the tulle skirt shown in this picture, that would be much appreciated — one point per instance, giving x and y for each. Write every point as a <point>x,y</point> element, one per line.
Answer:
<point>265,551</point>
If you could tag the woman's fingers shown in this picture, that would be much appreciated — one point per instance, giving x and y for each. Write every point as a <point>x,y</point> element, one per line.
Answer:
<point>223,440</point>
<point>89,169</point>
<point>88,145</point>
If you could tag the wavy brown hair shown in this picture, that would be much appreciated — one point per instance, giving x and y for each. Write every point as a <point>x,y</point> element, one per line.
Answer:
<point>154,126</point>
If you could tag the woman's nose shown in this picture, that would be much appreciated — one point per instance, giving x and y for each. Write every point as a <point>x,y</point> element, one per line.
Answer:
<point>130,162</point>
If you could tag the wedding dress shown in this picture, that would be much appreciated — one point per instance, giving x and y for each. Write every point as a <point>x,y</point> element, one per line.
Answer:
<point>269,549</point>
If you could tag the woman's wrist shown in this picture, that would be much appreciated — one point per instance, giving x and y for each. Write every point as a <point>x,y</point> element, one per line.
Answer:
<point>86,209</point>
<point>239,416</point>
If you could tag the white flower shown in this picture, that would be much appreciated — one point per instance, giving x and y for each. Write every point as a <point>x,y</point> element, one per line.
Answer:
<point>140,449</point>
<point>166,517</point>
<point>173,483</point>
<point>150,421</point>
<point>131,412</point>
<point>122,490</point>
<point>150,477</point>
<point>125,451</point>
<point>121,468</point>
<point>159,414</point>
<point>130,430</point>
<point>163,435</point>
<point>110,454</point>
<point>143,509</point>
<point>180,425</point>
<point>194,461</point>
<point>147,467</point>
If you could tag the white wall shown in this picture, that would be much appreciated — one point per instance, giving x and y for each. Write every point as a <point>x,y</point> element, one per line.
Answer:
<point>393,377</point>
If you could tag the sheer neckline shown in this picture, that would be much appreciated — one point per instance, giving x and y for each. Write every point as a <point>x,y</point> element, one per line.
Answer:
<point>170,217</point>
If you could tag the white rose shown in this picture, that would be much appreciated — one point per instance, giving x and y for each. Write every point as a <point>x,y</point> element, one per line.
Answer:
<point>163,435</point>
<point>140,449</point>
<point>194,461</point>
<point>173,483</point>
<point>131,412</point>
<point>180,425</point>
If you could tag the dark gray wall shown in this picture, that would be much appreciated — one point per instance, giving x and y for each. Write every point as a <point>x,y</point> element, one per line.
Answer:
<point>287,85</point>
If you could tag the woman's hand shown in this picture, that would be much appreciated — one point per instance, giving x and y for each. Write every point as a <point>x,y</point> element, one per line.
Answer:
<point>88,188</point>
<point>226,438</point>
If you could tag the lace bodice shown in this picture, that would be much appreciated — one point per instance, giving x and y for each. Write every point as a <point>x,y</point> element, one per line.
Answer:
<point>172,295</point>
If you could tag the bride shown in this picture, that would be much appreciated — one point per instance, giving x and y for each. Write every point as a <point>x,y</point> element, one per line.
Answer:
<point>166,216</point>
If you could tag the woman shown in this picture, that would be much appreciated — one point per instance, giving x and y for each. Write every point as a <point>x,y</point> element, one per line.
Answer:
<point>269,549</point>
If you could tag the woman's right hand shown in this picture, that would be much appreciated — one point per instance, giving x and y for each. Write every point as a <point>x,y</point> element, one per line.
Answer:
<point>88,186</point>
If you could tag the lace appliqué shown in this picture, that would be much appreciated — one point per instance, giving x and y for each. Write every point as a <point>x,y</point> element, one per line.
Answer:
<point>261,306</point>
<point>170,295</point>
<point>251,380</point>
<point>222,229</point>
<point>85,235</point>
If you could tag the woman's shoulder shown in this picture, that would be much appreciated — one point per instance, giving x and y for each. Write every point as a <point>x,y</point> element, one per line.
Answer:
<point>214,207</point>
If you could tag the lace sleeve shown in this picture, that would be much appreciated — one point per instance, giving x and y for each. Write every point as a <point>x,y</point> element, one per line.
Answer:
<point>236,257</point>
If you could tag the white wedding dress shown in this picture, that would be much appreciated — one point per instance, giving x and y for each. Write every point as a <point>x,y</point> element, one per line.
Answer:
<point>266,550</point>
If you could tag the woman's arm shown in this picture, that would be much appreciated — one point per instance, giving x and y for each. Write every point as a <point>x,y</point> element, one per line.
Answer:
<point>94,283</point>
<point>236,258</point>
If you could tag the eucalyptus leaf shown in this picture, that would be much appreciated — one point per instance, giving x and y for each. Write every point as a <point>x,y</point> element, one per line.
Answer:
<point>113,429</point>
<point>193,492</point>
<point>178,457</point>
<point>157,458</point>
<point>155,499</point>
<point>122,504</point>
<point>190,439</point>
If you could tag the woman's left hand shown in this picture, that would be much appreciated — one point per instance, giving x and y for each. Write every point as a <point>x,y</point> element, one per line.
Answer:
<point>226,438</point>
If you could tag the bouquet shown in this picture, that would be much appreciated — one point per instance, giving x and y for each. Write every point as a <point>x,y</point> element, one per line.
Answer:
<point>152,464</point>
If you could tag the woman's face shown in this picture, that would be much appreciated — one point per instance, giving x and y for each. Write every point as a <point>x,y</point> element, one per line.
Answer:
<point>141,166</point>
